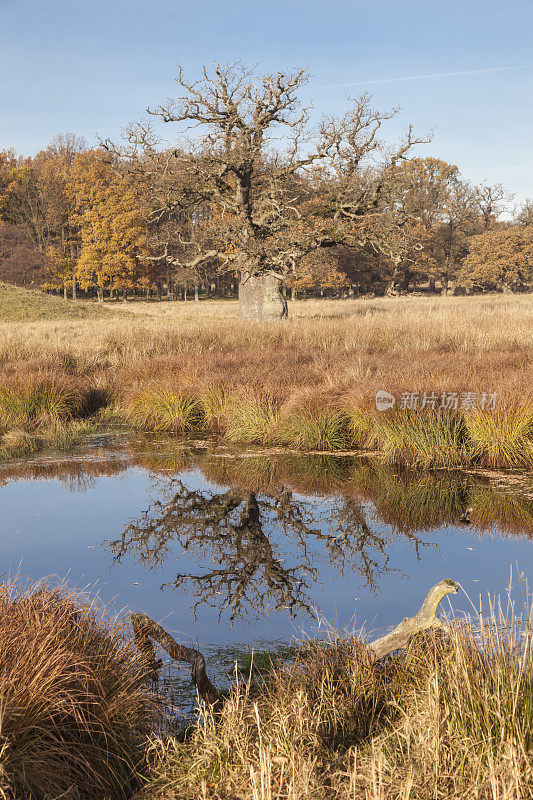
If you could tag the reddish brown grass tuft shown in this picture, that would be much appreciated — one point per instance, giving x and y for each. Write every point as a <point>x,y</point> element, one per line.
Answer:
<point>74,711</point>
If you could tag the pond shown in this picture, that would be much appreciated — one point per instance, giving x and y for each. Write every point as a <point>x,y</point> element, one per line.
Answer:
<point>226,547</point>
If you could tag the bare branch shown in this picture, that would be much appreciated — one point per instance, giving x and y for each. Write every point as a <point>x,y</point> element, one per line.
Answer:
<point>143,626</point>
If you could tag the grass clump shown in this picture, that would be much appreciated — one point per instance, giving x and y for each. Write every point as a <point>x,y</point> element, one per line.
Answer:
<point>502,438</point>
<point>314,424</point>
<point>214,403</point>
<point>422,438</point>
<point>74,712</point>
<point>34,398</point>
<point>251,419</point>
<point>360,426</point>
<point>54,434</point>
<point>160,409</point>
<point>450,719</point>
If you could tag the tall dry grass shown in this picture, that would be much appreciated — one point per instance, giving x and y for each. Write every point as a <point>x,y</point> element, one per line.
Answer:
<point>185,366</point>
<point>459,326</point>
<point>74,710</point>
<point>451,719</point>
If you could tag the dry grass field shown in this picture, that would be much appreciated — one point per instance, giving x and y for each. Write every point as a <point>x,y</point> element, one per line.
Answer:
<point>309,381</point>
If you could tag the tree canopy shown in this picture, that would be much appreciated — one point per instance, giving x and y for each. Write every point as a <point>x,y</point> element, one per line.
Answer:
<point>251,194</point>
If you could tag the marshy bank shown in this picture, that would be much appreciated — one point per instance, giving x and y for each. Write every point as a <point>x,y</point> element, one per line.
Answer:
<point>460,366</point>
<point>450,717</point>
<point>244,553</point>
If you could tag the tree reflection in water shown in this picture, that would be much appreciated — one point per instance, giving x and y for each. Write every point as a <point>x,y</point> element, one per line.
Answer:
<point>237,532</point>
<point>262,543</point>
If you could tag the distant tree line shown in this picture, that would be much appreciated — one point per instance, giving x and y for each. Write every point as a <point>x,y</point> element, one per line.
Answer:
<point>146,220</point>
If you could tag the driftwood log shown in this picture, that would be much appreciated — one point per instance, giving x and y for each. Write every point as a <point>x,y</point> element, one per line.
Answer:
<point>399,638</point>
<point>145,630</point>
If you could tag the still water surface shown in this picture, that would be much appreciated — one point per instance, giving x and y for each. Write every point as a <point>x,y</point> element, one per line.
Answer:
<point>225,547</point>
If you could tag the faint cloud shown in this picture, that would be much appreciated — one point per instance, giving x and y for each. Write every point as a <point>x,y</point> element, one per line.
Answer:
<point>417,77</point>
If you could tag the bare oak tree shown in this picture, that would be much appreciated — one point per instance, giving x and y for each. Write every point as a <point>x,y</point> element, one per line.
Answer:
<point>259,189</point>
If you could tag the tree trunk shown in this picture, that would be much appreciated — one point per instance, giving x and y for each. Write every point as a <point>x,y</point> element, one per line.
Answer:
<point>196,293</point>
<point>260,297</point>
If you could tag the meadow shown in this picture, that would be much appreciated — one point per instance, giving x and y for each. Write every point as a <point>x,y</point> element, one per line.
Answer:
<point>307,383</point>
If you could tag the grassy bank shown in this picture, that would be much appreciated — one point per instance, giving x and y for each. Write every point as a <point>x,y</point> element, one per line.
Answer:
<point>307,383</point>
<point>22,305</point>
<point>449,719</point>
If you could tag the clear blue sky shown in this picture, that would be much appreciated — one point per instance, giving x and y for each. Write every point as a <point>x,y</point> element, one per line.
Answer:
<point>461,67</point>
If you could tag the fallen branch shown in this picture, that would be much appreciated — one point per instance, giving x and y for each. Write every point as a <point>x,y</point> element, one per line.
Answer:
<point>146,629</point>
<point>426,619</point>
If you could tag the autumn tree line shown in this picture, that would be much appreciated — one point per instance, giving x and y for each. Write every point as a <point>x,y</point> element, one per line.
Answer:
<point>353,216</point>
